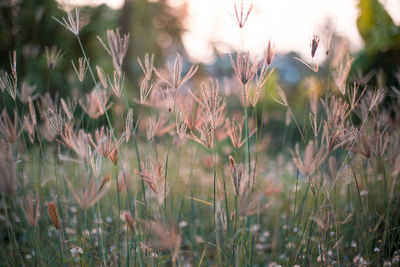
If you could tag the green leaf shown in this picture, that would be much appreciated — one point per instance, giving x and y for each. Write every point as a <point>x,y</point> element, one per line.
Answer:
<point>376,27</point>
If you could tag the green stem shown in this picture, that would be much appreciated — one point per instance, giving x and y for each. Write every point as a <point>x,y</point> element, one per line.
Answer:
<point>119,216</point>
<point>246,131</point>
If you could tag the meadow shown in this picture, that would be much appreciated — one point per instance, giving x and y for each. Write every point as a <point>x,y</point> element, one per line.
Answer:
<point>181,174</point>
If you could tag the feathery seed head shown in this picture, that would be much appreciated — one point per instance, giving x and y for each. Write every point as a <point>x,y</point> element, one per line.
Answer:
<point>147,66</point>
<point>234,130</point>
<point>29,127</point>
<point>54,123</point>
<point>9,129</point>
<point>77,142</point>
<point>129,221</point>
<point>243,67</point>
<point>146,87</point>
<point>71,23</point>
<point>93,103</point>
<point>102,77</point>
<point>181,126</point>
<point>241,178</point>
<point>30,210</point>
<point>53,55</point>
<point>105,144</point>
<point>152,125</point>
<point>91,193</point>
<point>8,83</point>
<point>341,73</point>
<point>117,83</point>
<point>269,54</point>
<point>314,45</point>
<point>168,94</point>
<point>364,145</point>
<point>53,214</point>
<point>206,131</point>
<point>128,124</point>
<point>313,157</point>
<point>117,48</point>
<point>211,101</point>
<point>175,80</point>
<point>27,92</point>
<point>152,174</point>
<point>68,108</point>
<point>194,114</point>
<point>241,16</point>
<point>82,68</point>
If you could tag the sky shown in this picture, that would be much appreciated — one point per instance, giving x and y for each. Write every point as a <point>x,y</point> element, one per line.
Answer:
<point>288,24</point>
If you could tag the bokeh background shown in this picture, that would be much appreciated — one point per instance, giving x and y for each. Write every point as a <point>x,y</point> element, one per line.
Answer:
<point>204,33</point>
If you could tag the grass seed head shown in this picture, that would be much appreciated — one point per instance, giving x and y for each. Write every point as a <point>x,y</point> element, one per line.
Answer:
<point>81,69</point>
<point>9,128</point>
<point>94,102</point>
<point>53,55</point>
<point>147,66</point>
<point>71,23</point>
<point>129,221</point>
<point>102,77</point>
<point>241,15</point>
<point>53,214</point>
<point>314,44</point>
<point>243,68</point>
<point>30,210</point>
<point>117,48</point>
<point>175,79</point>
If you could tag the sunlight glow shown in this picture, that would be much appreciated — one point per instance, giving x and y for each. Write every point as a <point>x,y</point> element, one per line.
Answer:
<point>288,24</point>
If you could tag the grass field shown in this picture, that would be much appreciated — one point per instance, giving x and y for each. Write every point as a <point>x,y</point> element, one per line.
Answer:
<point>184,177</point>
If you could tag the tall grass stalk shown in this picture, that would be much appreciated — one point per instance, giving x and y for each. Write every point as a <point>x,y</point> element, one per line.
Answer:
<point>246,130</point>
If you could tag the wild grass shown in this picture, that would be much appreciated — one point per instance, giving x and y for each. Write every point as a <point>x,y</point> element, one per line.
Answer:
<point>183,177</point>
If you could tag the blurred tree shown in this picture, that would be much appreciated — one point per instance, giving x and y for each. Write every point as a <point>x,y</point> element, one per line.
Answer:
<point>155,27</point>
<point>382,43</point>
<point>27,27</point>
